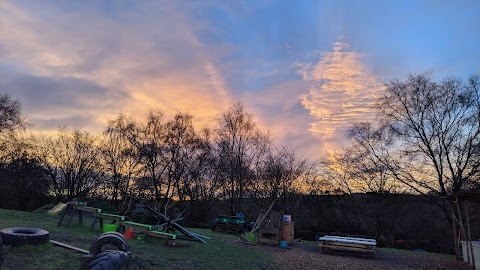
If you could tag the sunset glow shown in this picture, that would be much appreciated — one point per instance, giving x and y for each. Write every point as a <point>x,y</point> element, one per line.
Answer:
<point>306,70</point>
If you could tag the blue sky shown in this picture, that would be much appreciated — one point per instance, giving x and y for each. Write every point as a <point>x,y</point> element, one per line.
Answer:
<point>305,69</point>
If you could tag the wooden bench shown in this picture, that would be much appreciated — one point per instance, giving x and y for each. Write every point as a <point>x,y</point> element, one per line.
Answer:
<point>365,245</point>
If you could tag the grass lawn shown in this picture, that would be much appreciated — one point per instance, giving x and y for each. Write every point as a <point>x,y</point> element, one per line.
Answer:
<point>220,253</point>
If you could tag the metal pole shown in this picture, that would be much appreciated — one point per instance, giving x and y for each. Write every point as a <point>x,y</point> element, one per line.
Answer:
<point>462,227</point>
<point>469,246</point>
<point>455,235</point>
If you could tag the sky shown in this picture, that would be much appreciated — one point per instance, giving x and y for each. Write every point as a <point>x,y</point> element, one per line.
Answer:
<point>305,69</point>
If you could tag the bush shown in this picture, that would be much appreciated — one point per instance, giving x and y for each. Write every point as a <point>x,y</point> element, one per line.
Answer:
<point>23,184</point>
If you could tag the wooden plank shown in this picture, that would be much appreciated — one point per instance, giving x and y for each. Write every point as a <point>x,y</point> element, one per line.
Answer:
<point>87,209</point>
<point>69,246</point>
<point>139,226</point>
<point>110,216</point>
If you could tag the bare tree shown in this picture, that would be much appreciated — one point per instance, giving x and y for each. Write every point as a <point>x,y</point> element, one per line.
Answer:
<point>121,164</point>
<point>369,162</point>
<point>240,142</point>
<point>437,126</point>
<point>428,135</point>
<point>181,143</point>
<point>10,117</point>
<point>72,160</point>
<point>281,168</point>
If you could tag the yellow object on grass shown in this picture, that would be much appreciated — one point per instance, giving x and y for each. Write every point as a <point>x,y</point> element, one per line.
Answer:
<point>57,209</point>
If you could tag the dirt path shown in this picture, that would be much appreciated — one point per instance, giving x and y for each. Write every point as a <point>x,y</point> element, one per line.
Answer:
<point>309,257</point>
<point>305,257</point>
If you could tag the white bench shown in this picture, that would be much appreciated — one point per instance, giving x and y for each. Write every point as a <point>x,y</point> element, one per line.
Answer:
<point>366,245</point>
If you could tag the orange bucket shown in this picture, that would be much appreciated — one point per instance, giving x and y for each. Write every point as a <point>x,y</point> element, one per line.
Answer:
<point>129,233</point>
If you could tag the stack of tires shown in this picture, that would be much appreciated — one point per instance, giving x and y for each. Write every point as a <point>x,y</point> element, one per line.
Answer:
<point>111,252</point>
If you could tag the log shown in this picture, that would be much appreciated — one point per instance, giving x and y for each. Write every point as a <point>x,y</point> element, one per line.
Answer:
<point>60,244</point>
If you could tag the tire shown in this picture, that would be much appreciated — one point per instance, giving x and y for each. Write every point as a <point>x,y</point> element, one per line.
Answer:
<point>111,260</point>
<point>24,236</point>
<point>118,235</point>
<point>114,233</point>
<point>109,241</point>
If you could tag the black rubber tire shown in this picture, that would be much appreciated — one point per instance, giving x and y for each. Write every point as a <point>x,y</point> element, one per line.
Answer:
<point>120,236</point>
<point>24,236</point>
<point>109,239</point>
<point>111,260</point>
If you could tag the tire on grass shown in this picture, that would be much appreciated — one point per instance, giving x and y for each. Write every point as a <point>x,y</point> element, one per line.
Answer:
<point>24,236</point>
<point>109,241</point>
<point>111,260</point>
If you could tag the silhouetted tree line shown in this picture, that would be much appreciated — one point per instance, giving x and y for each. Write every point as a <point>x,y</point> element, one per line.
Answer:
<point>425,141</point>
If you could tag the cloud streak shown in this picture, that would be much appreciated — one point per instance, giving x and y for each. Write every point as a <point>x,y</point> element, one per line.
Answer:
<point>145,60</point>
<point>343,92</point>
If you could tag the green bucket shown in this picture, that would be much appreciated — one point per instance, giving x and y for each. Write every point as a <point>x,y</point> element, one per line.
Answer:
<point>109,228</point>
<point>251,237</point>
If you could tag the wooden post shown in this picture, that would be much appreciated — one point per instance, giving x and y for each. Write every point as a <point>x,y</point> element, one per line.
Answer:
<point>63,215</point>
<point>71,216</point>
<point>80,218</point>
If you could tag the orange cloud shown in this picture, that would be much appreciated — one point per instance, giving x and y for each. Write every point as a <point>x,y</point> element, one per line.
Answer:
<point>135,69</point>
<point>343,92</point>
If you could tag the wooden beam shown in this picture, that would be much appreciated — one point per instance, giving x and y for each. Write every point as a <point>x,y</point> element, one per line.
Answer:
<point>69,246</point>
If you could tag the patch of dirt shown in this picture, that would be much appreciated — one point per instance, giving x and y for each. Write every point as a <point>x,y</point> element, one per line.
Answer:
<point>307,257</point>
